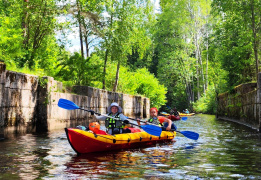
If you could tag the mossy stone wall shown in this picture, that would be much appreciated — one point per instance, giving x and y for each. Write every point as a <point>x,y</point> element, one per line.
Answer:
<point>242,105</point>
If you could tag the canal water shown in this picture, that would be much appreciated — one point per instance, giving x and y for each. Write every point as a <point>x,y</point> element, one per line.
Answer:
<point>224,150</point>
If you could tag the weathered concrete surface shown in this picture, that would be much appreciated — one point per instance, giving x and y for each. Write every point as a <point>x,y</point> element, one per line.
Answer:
<point>258,105</point>
<point>2,87</point>
<point>100,100</point>
<point>29,103</point>
<point>241,106</point>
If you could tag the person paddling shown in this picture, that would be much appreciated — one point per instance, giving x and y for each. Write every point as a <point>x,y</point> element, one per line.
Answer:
<point>186,111</point>
<point>174,112</point>
<point>160,120</point>
<point>116,122</point>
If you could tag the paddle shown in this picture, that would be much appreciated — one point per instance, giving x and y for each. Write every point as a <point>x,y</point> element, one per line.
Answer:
<point>184,118</point>
<point>187,134</point>
<point>168,106</point>
<point>69,105</point>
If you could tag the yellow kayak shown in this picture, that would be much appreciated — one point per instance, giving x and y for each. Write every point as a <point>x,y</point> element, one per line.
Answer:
<point>185,114</point>
<point>180,114</point>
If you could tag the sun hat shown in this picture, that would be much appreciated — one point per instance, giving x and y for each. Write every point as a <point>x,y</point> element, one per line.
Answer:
<point>116,105</point>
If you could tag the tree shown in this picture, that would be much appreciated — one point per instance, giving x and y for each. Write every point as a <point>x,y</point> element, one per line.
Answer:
<point>237,37</point>
<point>123,31</point>
<point>39,23</point>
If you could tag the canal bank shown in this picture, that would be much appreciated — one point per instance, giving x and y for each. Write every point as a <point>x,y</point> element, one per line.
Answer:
<point>242,105</point>
<point>29,103</point>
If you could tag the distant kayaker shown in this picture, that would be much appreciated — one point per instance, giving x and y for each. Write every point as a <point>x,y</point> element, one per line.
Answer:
<point>186,111</point>
<point>174,112</point>
<point>159,120</point>
<point>116,122</point>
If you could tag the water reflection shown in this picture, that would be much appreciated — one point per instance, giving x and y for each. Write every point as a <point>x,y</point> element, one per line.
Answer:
<point>224,151</point>
<point>121,164</point>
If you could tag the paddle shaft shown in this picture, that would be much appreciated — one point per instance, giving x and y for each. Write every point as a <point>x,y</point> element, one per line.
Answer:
<point>187,134</point>
<point>69,105</point>
<point>143,121</point>
<point>108,116</point>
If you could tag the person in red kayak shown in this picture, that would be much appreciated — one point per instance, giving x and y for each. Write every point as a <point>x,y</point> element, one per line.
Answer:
<point>116,122</point>
<point>160,120</point>
<point>174,112</point>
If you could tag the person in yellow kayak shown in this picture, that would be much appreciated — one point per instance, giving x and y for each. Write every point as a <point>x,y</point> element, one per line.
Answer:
<point>116,121</point>
<point>160,120</point>
<point>186,111</point>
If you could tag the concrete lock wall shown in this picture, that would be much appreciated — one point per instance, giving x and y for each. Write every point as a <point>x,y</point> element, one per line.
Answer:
<point>242,105</point>
<point>30,104</point>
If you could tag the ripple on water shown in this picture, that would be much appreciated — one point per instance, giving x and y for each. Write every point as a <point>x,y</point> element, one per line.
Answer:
<point>223,151</point>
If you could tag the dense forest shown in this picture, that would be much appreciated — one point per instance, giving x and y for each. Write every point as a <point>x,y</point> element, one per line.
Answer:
<point>181,54</point>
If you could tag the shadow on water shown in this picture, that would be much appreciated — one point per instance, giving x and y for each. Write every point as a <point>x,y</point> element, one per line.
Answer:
<point>224,150</point>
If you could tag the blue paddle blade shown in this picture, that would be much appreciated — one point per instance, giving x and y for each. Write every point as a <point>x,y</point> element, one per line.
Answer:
<point>190,134</point>
<point>151,129</point>
<point>66,104</point>
<point>168,107</point>
<point>184,118</point>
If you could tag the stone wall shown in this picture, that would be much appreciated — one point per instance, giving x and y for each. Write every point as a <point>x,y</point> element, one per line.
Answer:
<point>100,100</point>
<point>18,99</point>
<point>242,105</point>
<point>29,103</point>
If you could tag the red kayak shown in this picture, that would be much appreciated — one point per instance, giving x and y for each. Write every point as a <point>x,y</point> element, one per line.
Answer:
<point>86,141</point>
<point>174,118</point>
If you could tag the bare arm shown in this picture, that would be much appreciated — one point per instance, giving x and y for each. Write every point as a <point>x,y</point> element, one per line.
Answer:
<point>169,123</point>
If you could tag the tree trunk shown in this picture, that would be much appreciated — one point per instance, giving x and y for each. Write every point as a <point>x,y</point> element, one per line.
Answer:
<point>24,25</point>
<point>207,53</point>
<point>80,26</point>
<point>207,63</point>
<point>104,69</point>
<point>187,92</point>
<point>197,67</point>
<point>190,93</point>
<point>255,41</point>
<point>202,69</point>
<point>87,46</point>
<point>85,35</point>
<point>117,77</point>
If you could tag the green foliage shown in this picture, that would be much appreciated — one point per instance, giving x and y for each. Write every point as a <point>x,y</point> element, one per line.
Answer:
<point>207,103</point>
<point>149,86</point>
<point>10,39</point>
<point>233,38</point>
<point>78,70</point>
<point>139,82</point>
<point>27,36</point>
<point>177,57</point>
<point>175,49</point>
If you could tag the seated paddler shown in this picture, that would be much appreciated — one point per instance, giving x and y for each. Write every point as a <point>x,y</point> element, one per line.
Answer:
<point>174,112</point>
<point>164,122</point>
<point>114,121</point>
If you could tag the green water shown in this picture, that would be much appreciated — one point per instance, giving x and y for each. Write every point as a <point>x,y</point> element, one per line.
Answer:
<point>225,150</point>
